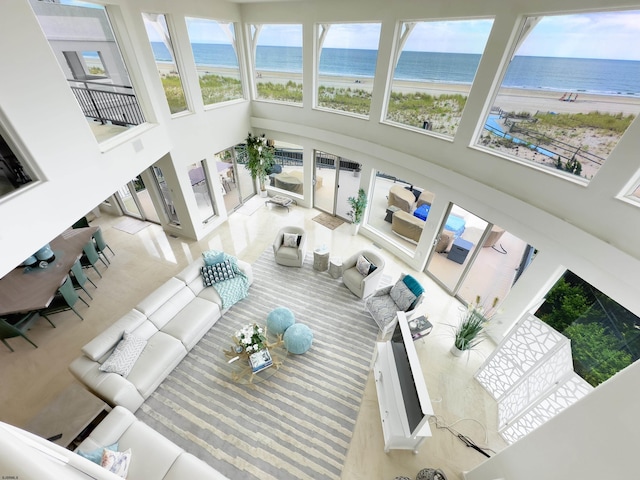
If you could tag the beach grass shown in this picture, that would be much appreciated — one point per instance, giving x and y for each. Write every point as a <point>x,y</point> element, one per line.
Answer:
<point>218,88</point>
<point>356,100</point>
<point>290,92</point>
<point>617,123</point>
<point>443,112</point>
<point>175,93</point>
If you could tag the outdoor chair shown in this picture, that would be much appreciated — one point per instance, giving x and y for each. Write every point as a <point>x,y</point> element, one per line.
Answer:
<point>65,299</point>
<point>361,272</point>
<point>10,329</point>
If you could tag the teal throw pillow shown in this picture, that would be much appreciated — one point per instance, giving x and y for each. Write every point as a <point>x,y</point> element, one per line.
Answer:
<point>211,257</point>
<point>96,455</point>
<point>413,285</point>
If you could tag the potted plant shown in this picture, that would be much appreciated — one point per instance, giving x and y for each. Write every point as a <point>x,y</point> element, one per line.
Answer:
<point>358,205</point>
<point>470,330</point>
<point>259,159</point>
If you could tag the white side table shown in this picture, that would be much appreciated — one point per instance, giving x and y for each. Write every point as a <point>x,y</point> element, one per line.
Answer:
<point>321,259</point>
<point>335,267</point>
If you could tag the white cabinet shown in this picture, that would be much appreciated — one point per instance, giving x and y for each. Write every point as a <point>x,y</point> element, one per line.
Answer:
<point>399,431</point>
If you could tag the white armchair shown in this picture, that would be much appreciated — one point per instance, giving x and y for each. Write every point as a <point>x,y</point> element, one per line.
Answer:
<point>290,256</point>
<point>383,307</point>
<point>362,285</point>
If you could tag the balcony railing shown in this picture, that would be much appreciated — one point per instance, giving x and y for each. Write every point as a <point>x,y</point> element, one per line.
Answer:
<point>107,102</point>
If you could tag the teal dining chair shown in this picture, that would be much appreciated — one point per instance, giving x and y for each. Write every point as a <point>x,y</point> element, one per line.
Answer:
<point>101,244</point>
<point>17,329</point>
<point>90,257</point>
<point>65,299</point>
<point>79,279</point>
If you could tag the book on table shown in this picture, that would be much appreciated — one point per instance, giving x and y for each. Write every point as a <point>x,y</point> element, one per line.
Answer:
<point>260,360</point>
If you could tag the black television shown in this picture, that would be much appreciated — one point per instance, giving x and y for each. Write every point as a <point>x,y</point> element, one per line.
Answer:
<point>413,389</point>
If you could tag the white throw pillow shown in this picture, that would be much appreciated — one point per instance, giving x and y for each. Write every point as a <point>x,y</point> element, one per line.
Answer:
<point>116,462</point>
<point>401,294</point>
<point>290,240</point>
<point>363,265</point>
<point>124,357</point>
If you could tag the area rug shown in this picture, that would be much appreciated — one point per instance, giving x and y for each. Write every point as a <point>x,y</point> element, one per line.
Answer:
<point>328,221</point>
<point>298,423</point>
<point>131,225</point>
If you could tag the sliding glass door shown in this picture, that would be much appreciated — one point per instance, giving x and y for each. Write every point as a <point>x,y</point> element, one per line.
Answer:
<point>473,258</point>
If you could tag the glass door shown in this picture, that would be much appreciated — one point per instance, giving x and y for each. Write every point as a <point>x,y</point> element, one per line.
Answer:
<point>335,180</point>
<point>165,196</point>
<point>473,258</point>
<point>135,201</point>
<point>325,180</point>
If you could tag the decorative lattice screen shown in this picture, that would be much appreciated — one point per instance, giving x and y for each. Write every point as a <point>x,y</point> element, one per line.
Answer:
<point>530,375</point>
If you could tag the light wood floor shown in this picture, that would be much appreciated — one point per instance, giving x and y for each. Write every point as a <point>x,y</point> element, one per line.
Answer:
<point>32,378</point>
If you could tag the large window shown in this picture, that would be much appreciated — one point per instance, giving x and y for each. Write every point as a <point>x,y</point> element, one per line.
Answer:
<point>164,53</point>
<point>277,60</point>
<point>13,173</point>
<point>347,66</point>
<point>214,51</point>
<point>605,337</point>
<point>434,69</point>
<point>570,92</point>
<point>83,42</point>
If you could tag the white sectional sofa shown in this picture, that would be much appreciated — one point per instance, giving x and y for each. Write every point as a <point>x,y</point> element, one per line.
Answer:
<point>153,456</point>
<point>172,319</point>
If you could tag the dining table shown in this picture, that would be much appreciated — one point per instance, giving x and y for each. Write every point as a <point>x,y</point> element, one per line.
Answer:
<point>26,289</point>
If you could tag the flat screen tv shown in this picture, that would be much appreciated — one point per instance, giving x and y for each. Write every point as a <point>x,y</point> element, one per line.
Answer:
<point>415,396</point>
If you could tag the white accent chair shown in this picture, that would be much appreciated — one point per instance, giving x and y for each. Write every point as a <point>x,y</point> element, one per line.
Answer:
<point>290,256</point>
<point>362,285</point>
<point>384,310</point>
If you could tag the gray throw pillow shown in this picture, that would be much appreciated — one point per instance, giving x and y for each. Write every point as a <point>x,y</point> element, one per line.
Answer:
<point>124,357</point>
<point>402,296</point>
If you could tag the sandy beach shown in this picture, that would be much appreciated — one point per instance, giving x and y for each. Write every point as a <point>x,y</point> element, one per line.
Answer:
<point>508,99</point>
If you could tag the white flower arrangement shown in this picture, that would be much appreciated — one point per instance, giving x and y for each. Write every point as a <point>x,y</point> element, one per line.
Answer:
<point>251,338</point>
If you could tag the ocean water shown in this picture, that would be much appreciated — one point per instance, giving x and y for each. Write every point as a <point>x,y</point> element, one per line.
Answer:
<point>608,77</point>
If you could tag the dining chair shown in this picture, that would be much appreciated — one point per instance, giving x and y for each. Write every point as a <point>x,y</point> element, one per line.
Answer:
<point>91,257</point>
<point>101,244</point>
<point>78,278</point>
<point>65,299</point>
<point>10,329</point>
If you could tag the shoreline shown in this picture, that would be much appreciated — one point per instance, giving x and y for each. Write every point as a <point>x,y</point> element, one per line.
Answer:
<point>508,99</point>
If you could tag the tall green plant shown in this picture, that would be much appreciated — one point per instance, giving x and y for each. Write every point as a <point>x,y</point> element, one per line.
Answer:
<point>259,158</point>
<point>358,204</point>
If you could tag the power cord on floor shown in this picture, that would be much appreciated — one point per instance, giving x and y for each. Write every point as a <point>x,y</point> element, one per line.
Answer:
<point>502,250</point>
<point>441,424</point>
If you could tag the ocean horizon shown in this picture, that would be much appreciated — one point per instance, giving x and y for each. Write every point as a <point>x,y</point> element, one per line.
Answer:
<point>578,75</point>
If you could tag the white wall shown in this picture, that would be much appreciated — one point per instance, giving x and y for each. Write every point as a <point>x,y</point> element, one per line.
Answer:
<point>596,438</point>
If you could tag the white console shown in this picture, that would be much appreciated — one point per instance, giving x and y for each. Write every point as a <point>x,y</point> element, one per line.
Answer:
<point>403,398</point>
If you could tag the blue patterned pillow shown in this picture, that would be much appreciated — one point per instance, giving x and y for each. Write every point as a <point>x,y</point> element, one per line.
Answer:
<point>217,273</point>
<point>96,455</point>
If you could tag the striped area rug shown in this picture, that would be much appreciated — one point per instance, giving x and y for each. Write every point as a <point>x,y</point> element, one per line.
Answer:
<point>295,425</point>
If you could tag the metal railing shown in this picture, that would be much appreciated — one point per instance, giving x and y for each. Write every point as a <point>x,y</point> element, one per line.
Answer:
<point>107,102</point>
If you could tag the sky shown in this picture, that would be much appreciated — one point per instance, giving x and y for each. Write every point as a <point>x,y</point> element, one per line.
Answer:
<point>613,35</point>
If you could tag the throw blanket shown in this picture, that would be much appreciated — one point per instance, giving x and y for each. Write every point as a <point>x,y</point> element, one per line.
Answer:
<point>233,289</point>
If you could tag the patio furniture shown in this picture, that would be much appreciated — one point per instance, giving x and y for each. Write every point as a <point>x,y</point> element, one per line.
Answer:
<point>401,198</point>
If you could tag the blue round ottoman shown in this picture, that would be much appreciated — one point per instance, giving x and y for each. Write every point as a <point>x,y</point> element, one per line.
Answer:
<point>279,320</point>
<point>298,338</point>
